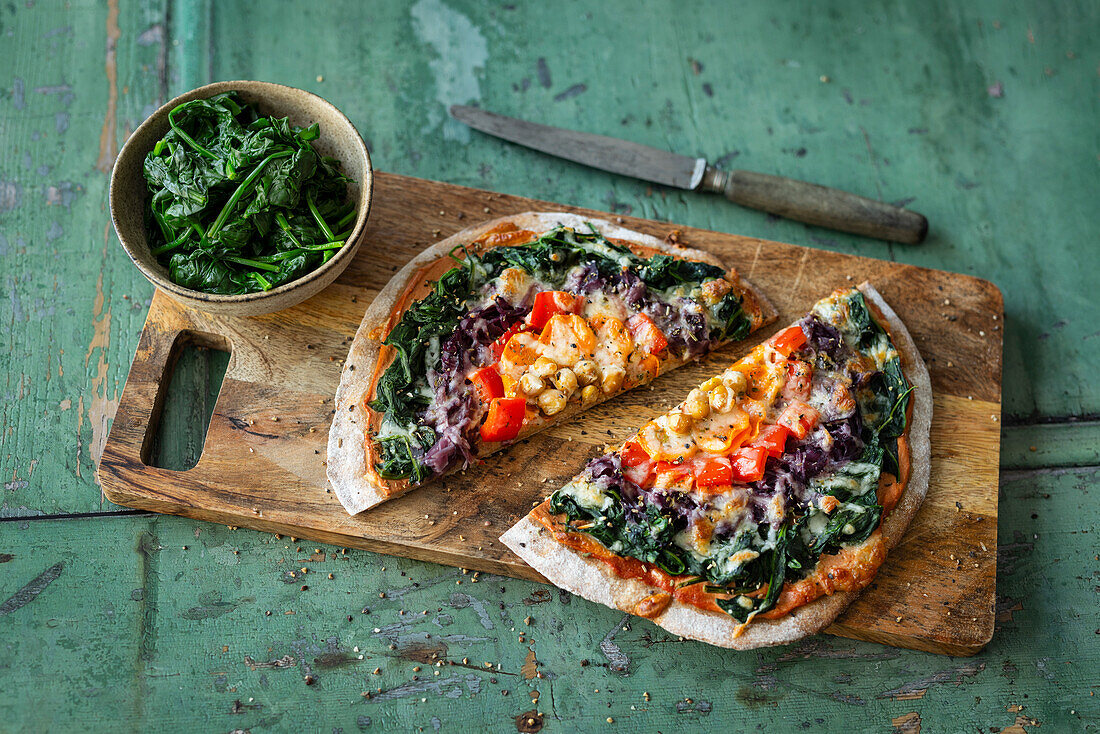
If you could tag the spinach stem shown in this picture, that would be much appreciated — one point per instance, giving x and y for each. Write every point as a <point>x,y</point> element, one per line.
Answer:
<point>251,263</point>
<point>242,190</point>
<point>198,230</point>
<point>451,254</point>
<point>163,227</point>
<point>897,403</point>
<point>287,254</point>
<point>346,219</point>
<point>325,246</point>
<point>317,215</point>
<point>187,138</point>
<point>281,219</point>
<point>168,246</point>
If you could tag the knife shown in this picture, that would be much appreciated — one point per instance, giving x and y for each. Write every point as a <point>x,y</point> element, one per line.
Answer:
<point>787,197</point>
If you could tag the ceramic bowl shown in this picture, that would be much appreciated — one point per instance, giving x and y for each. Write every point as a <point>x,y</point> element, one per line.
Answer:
<point>338,139</point>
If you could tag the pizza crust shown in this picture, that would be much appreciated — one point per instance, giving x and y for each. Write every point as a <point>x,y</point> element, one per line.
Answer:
<point>359,490</point>
<point>593,580</point>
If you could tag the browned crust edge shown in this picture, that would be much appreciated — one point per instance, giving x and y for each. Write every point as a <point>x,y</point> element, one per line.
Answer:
<point>594,581</point>
<point>355,487</point>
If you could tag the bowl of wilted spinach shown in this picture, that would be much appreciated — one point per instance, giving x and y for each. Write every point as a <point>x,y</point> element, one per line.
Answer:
<point>242,197</point>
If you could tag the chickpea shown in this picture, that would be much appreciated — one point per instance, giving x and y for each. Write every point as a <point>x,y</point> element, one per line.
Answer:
<point>679,422</point>
<point>531,384</point>
<point>697,405</point>
<point>551,402</point>
<point>710,384</point>
<point>587,372</point>
<point>589,395</point>
<point>722,399</point>
<point>544,367</point>
<point>612,379</point>
<point>735,381</point>
<point>565,381</point>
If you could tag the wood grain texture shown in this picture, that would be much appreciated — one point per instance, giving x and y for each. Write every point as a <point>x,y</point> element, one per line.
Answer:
<point>263,460</point>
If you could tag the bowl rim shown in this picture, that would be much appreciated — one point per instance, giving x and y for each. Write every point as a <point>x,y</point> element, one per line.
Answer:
<point>206,91</point>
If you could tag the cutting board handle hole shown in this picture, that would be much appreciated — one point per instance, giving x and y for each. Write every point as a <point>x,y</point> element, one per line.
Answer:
<point>189,390</point>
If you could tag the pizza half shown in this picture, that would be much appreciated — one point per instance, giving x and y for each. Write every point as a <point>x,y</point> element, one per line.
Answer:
<point>754,511</point>
<point>505,328</point>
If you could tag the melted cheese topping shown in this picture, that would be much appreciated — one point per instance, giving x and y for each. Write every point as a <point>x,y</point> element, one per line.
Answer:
<point>599,303</point>
<point>613,342</point>
<point>721,433</point>
<point>512,285</point>
<point>588,495</point>
<point>664,444</point>
<point>858,479</point>
<point>833,309</point>
<point>881,351</point>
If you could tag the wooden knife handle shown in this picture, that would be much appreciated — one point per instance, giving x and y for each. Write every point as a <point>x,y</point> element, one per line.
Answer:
<point>820,205</point>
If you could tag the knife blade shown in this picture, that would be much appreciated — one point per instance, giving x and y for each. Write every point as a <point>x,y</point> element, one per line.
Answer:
<point>597,151</point>
<point>790,198</point>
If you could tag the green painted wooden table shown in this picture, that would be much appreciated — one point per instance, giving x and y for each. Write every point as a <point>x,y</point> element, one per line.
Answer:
<point>981,116</point>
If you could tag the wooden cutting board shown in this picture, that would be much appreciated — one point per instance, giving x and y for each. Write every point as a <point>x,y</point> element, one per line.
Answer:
<point>262,464</point>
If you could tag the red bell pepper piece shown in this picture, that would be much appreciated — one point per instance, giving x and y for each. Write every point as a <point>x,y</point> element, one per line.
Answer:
<point>675,470</point>
<point>637,466</point>
<point>504,420</point>
<point>548,303</point>
<point>748,463</point>
<point>788,340</point>
<point>488,383</point>
<point>772,439</point>
<point>632,453</point>
<point>648,334</point>
<point>502,341</point>
<point>714,472</point>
